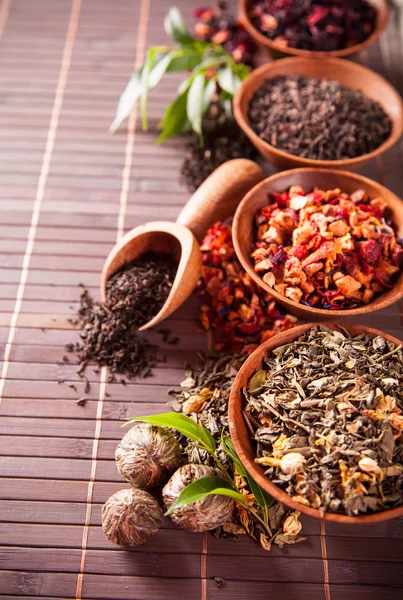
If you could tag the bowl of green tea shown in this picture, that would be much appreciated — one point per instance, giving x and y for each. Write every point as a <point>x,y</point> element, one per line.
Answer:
<point>316,416</point>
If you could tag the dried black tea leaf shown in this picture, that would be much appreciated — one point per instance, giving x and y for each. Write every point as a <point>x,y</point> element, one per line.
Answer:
<point>223,141</point>
<point>317,118</point>
<point>134,295</point>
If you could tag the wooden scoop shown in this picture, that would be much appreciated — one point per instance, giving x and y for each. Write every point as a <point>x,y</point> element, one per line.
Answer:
<point>216,199</point>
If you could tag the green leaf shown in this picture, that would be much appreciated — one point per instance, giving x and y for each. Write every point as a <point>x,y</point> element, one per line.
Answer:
<point>228,80</point>
<point>184,425</point>
<point>145,84</point>
<point>185,60</point>
<point>209,92</point>
<point>185,84</point>
<point>176,28</point>
<point>206,486</point>
<point>132,92</point>
<point>263,499</point>
<point>229,449</point>
<point>159,69</point>
<point>195,101</point>
<point>208,63</point>
<point>241,70</point>
<point>175,119</point>
<point>134,88</point>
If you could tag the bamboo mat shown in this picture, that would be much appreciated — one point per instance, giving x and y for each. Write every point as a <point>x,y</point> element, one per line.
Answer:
<point>68,190</point>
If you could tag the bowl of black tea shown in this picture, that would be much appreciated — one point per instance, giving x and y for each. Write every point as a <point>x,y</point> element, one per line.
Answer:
<point>300,112</point>
<point>316,416</point>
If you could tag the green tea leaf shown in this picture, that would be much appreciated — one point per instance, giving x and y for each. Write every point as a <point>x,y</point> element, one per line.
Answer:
<point>206,486</point>
<point>184,425</point>
<point>258,381</point>
<point>159,68</point>
<point>145,83</point>
<point>185,84</point>
<point>175,119</point>
<point>208,63</point>
<point>134,88</point>
<point>228,80</point>
<point>132,92</point>
<point>263,499</point>
<point>229,449</point>
<point>195,101</point>
<point>241,70</point>
<point>185,60</point>
<point>208,94</point>
<point>176,28</point>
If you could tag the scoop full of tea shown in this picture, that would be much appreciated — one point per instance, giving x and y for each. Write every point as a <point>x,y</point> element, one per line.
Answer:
<point>134,295</point>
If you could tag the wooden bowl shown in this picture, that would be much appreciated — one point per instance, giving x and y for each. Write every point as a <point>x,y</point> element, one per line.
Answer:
<point>241,437</point>
<point>276,50</point>
<point>349,75</point>
<point>243,231</point>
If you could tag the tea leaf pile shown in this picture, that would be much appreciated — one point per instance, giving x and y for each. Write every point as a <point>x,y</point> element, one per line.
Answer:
<point>134,295</point>
<point>327,414</point>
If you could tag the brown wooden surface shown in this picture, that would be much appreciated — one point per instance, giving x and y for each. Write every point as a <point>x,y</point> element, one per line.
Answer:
<point>72,188</point>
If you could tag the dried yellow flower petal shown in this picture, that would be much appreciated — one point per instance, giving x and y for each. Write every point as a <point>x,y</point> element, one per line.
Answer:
<point>292,463</point>
<point>368,465</point>
<point>268,461</point>
<point>280,444</point>
<point>195,402</point>
<point>396,421</point>
<point>301,500</point>
<point>292,525</point>
<point>265,542</point>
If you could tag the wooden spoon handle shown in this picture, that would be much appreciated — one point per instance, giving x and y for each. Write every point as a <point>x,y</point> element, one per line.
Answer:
<point>219,195</point>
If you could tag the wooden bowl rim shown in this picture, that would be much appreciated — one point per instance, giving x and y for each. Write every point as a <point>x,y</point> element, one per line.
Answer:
<point>395,293</point>
<point>255,470</point>
<point>380,26</point>
<point>334,64</point>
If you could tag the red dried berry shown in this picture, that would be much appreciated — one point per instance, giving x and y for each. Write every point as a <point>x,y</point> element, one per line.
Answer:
<point>370,252</point>
<point>299,252</point>
<point>281,199</point>
<point>382,278</point>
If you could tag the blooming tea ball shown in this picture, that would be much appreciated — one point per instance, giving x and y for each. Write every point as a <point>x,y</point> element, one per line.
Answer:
<point>147,455</point>
<point>131,517</point>
<point>208,513</point>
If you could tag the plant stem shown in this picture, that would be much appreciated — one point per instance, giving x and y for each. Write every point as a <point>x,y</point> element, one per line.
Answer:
<point>221,467</point>
<point>263,524</point>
